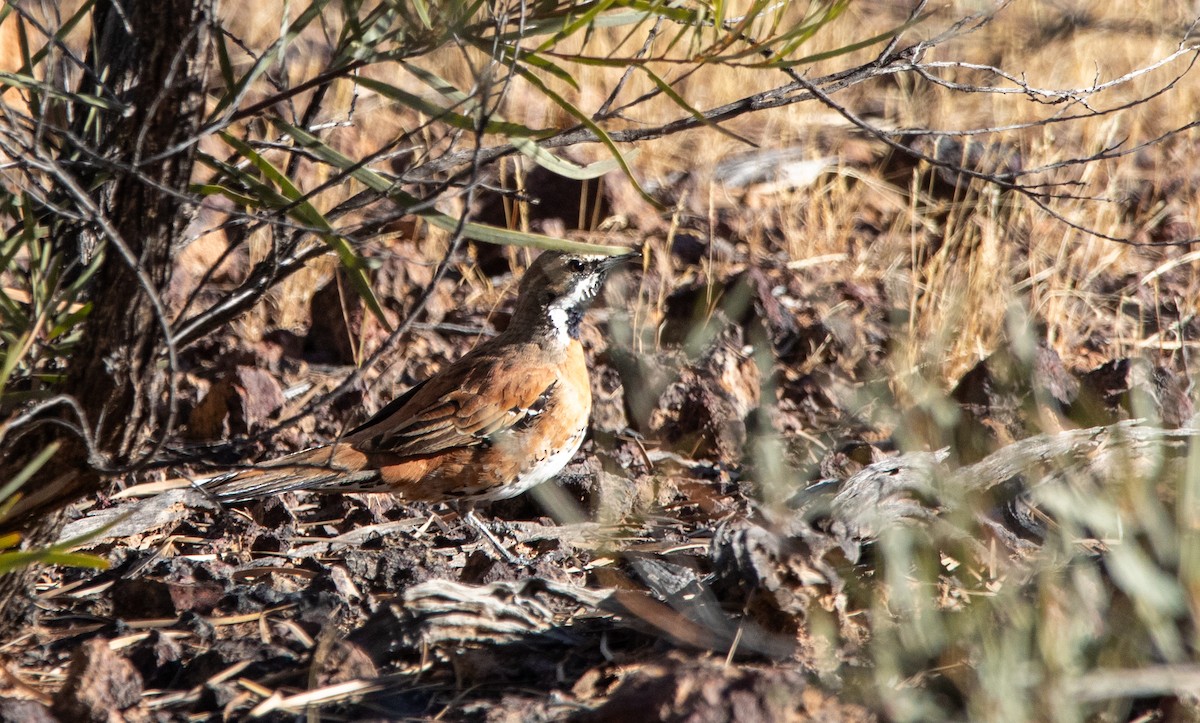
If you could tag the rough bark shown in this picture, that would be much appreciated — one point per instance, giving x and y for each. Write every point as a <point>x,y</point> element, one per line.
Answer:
<point>153,56</point>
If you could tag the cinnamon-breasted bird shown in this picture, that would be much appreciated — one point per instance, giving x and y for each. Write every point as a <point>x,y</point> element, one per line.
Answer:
<point>505,417</point>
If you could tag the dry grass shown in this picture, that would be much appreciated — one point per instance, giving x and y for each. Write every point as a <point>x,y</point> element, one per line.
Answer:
<point>964,262</point>
<point>960,266</point>
<point>953,273</point>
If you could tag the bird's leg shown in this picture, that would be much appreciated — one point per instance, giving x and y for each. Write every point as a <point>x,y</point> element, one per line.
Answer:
<point>483,529</point>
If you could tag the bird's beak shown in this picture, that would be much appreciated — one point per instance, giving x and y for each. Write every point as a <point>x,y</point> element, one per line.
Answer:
<point>612,261</point>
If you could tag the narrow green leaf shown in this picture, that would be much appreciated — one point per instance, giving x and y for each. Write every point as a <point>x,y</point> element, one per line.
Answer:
<point>676,13</point>
<point>846,49</point>
<point>72,290</point>
<point>83,12</point>
<point>458,120</point>
<point>87,537</point>
<point>405,201</point>
<point>303,211</point>
<point>519,140</point>
<point>224,62</point>
<point>583,20</point>
<point>312,12</point>
<point>75,559</point>
<point>10,561</point>
<point>680,101</point>
<point>10,313</point>
<point>423,13</point>
<point>13,356</point>
<point>70,321</point>
<point>631,14</point>
<point>592,126</point>
<point>27,69</point>
<point>216,189</point>
<point>507,237</point>
<point>269,171</point>
<point>18,80</point>
<point>536,60</point>
<point>256,193</point>
<point>793,39</point>
<point>60,553</point>
<point>562,166</point>
<point>29,470</point>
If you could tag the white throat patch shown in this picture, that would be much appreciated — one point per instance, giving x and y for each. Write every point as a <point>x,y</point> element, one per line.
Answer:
<point>560,310</point>
<point>560,320</point>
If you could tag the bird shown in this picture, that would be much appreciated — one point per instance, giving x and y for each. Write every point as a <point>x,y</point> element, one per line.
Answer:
<point>505,417</point>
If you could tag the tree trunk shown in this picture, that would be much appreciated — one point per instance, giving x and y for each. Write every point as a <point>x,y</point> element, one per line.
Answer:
<point>152,54</point>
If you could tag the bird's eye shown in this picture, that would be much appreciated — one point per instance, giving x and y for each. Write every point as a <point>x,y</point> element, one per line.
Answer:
<point>575,265</point>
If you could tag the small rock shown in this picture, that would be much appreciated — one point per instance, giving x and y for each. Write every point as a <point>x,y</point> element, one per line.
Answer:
<point>241,401</point>
<point>337,315</point>
<point>1006,397</point>
<point>16,710</point>
<point>100,685</point>
<point>141,599</point>
<point>195,597</point>
<point>157,658</point>
<point>1132,388</point>
<point>346,661</point>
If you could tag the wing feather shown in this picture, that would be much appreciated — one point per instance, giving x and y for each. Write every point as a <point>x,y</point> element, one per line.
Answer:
<point>465,409</point>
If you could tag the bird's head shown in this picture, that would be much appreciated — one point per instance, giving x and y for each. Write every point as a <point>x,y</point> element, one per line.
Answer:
<point>558,288</point>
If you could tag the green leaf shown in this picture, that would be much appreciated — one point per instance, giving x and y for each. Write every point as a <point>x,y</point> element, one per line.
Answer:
<point>303,211</point>
<point>257,193</point>
<point>657,9</point>
<point>583,20</point>
<point>592,126</point>
<point>216,189</point>
<point>801,33</point>
<point>445,115</point>
<point>679,100</point>
<point>423,13</point>
<point>72,290</point>
<point>68,322</point>
<point>543,64</point>
<point>312,12</point>
<point>846,49</point>
<point>18,80</point>
<point>29,470</point>
<point>556,22</point>
<point>60,553</point>
<point>520,141</point>
<point>13,356</point>
<point>11,539</point>
<point>84,12</point>
<point>10,561</point>
<point>223,61</point>
<point>405,201</point>
<point>562,166</point>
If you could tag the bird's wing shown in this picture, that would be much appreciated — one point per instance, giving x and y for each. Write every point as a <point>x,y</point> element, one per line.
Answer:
<point>390,408</point>
<point>464,406</point>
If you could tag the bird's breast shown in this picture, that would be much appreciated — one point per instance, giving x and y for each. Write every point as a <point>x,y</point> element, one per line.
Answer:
<point>543,447</point>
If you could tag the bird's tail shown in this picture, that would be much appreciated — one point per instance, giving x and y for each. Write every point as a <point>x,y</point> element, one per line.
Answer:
<point>334,468</point>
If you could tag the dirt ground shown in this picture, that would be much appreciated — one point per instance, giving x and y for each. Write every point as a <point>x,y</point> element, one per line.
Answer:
<point>665,577</point>
<point>825,343</point>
